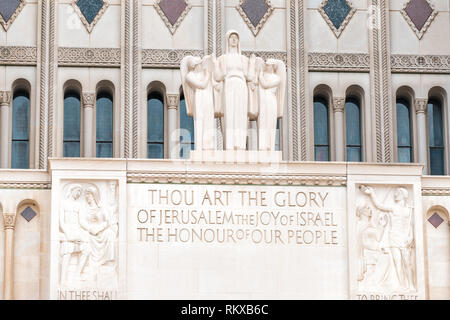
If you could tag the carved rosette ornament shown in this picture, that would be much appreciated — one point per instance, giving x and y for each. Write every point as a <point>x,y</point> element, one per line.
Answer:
<point>172,101</point>
<point>421,105</point>
<point>9,221</point>
<point>5,98</point>
<point>88,100</point>
<point>338,104</point>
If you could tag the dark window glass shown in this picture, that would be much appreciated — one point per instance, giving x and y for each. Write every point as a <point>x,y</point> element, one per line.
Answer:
<point>20,147</point>
<point>104,126</point>
<point>353,130</point>
<point>436,138</point>
<point>72,115</point>
<point>321,137</point>
<point>278,136</point>
<point>404,145</point>
<point>187,142</point>
<point>155,126</point>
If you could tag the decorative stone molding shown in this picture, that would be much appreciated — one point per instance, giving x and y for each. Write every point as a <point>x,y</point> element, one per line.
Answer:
<point>166,58</point>
<point>95,57</point>
<point>172,27</point>
<point>18,55</point>
<point>421,63</point>
<point>7,24</point>
<point>350,62</point>
<point>421,105</point>
<point>9,221</point>
<point>337,31</point>
<point>90,26</point>
<point>338,104</point>
<point>201,178</point>
<point>423,30</point>
<point>435,192</point>
<point>173,101</point>
<point>280,55</point>
<point>26,185</point>
<point>255,28</point>
<point>5,98</point>
<point>88,100</point>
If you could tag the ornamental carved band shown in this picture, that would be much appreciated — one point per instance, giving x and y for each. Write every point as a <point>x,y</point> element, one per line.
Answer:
<point>5,97</point>
<point>421,105</point>
<point>9,221</point>
<point>88,99</point>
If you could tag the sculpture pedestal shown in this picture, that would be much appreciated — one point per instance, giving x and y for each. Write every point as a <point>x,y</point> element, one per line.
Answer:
<point>236,156</point>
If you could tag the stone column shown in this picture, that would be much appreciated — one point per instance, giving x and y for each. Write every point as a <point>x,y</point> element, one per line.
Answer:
<point>173,101</point>
<point>338,109</point>
<point>88,117</point>
<point>9,223</point>
<point>421,109</point>
<point>5,101</point>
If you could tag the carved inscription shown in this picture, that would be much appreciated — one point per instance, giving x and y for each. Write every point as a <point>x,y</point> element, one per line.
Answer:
<point>239,215</point>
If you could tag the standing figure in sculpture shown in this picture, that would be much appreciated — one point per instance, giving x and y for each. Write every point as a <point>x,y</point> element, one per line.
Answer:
<point>72,234</point>
<point>196,75</point>
<point>234,71</point>
<point>400,236</point>
<point>102,236</point>
<point>272,90</point>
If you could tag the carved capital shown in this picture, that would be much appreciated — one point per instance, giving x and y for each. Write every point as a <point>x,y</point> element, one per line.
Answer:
<point>88,100</point>
<point>338,104</point>
<point>5,97</point>
<point>9,221</point>
<point>421,105</point>
<point>173,101</point>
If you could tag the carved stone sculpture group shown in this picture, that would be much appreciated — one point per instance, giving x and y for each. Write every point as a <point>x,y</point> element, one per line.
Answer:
<point>237,89</point>
<point>385,234</point>
<point>89,230</point>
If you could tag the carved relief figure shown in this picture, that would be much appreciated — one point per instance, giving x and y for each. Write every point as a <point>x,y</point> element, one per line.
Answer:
<point>90,232</point>
<point>395,246</point>
<point>234,71</point>
<point>198,90</point>
<point>272,90</point>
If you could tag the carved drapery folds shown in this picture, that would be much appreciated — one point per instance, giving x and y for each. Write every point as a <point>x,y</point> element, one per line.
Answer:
<point>385,240</point>
<point>88,229</point>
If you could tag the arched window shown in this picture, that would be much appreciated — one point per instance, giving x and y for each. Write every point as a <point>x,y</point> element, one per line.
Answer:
<point>72,116</point>
<point>104,125</point>
<point>436,137</point>
<point>353,130</point>
<point>155,126</point>
<point>321,135</point>
<point>404,145</point>
<point>187,142</point>
<point>20,148</point>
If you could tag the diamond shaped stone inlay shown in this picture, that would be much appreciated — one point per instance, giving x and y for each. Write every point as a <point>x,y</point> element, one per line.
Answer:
<point>90,11</point>
<point>9,10</point>
<point>28,214</point>
<point>337,14</point>
<point>255,13</point>
<point>435,220</point>
<point>172,12</point>
<point>419,14</point>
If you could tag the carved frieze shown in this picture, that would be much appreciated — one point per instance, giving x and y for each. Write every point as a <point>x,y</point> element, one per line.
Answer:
<point>166,58</point>
<point>350,62</point>
<point>18,55</point>
<point>420,63</point>
<point>279,55</point>
<point>101,57</point>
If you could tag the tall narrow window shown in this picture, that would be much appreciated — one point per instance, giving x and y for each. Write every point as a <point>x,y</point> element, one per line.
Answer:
<point>436,138</point>
<point>404,145</point>
<point>187,142</point>
<point>72,115</point>
<point>353,130</point>
<point>104,125</point>
<point>278,136</point>
<point>20,148</point>
<point>155,126</point>
<point>321,136</point>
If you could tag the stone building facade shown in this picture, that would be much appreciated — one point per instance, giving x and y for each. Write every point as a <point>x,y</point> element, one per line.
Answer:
<point>91,94</point>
